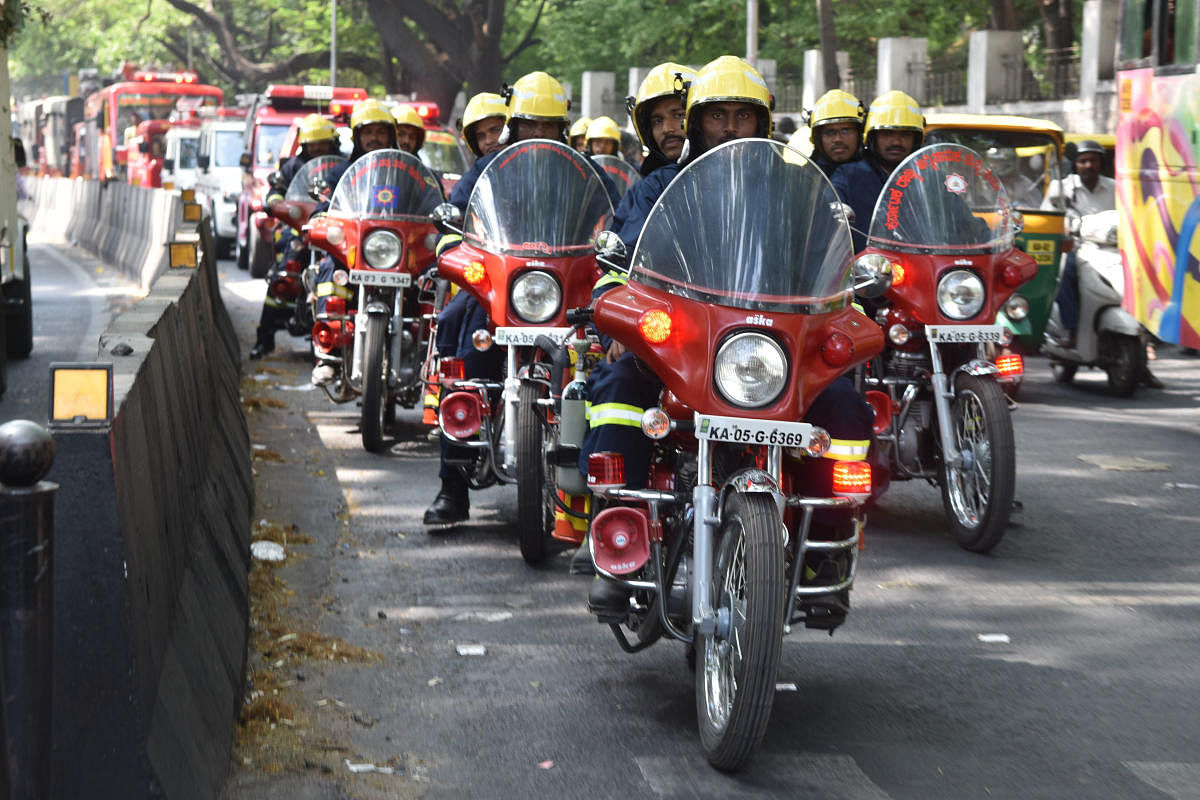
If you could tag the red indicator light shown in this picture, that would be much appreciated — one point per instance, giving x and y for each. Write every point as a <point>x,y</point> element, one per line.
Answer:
<point>852,477</point>
<point>655,326</point>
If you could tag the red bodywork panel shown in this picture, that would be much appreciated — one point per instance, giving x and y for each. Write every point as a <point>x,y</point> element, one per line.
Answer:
<point>684,362</point>
<point>576,275</point>
<point>916,294</point>
<point>416,256</point>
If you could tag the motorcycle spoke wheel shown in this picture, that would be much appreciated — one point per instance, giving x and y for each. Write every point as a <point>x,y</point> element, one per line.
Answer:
<point>374,396</point>
<point>978,495</point>
<point>737,664</point>
<point>535,484</point>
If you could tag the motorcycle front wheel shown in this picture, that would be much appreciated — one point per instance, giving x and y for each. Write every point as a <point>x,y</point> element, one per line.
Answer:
<point>374,385</point>
<point>738,662</point>
<point>535,485</point>
<point>978,495</point>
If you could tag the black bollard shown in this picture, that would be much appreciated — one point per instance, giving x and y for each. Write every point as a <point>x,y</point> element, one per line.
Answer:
<point>26,607</point>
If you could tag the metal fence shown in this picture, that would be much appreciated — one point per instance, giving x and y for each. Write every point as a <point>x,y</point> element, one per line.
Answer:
<point>1050,75</point>
<point>945,81</point>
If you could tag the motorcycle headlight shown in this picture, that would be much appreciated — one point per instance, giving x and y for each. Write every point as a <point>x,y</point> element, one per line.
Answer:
<point>960,294</point>
<point>1017,308</point>
<point>536,296</point>
<point>381,249</point>
<point>750,370</point>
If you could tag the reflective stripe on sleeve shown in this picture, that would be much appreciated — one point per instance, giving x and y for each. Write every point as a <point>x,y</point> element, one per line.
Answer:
<point>446,242</point>
<point>848,449</point>
<point>615,414</point>
<point>327,288</point>
<point>610,279</point>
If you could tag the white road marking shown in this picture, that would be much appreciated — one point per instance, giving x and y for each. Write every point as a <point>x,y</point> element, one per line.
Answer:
<point>1180,780</point>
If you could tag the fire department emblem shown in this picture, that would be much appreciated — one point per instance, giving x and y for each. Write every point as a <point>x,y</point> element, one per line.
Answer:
<point>956,183</point>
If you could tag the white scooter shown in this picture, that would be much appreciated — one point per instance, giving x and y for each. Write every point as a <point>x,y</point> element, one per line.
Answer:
<point>1107,337</point>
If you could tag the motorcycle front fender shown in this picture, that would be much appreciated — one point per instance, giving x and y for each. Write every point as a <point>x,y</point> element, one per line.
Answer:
<point>977,367</point>
<point>754,481</point>
<point>1117,320</point>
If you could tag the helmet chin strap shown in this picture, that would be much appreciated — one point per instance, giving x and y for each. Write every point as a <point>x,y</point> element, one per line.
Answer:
<point>505,135</point>
<point>683,154</point>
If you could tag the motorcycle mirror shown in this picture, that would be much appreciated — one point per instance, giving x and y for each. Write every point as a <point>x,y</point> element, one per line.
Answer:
<point>274,178</point>
<point>872,275</point>
<point>1018,222</point>
<point>610,250</point>
<point>319,190</point>
<point>448,215</point>
<point>844,211</point>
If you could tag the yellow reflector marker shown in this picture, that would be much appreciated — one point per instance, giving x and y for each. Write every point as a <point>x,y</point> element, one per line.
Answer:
<point>182,254</point>
<point>188,195</point>
<point>192,212</point>
<point>80,394</point>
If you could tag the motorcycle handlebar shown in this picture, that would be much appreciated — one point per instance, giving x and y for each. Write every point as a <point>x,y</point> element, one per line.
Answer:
<point>579,316</point>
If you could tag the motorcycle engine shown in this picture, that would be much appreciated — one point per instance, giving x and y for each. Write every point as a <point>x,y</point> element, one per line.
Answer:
<point>915,445</point>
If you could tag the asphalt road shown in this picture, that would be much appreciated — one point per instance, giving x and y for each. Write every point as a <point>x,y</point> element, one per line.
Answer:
<point>1062,665</point>
<point>1083,685</point>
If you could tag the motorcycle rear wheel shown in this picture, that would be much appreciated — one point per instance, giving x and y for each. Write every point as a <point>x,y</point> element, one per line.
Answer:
<point>978,497</point>
<point>1126,363</point>
<point>737,664</point>
<point>535,484</point>
<point>374,396</point>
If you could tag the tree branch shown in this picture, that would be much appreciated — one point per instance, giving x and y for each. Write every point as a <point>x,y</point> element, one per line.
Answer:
<point>528,39</point>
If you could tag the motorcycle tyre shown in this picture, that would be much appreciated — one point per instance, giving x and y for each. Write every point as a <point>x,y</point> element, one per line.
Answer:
<point>1063,371</point>
<point>242,255</point>
<point>1126,363</point>
<point>374,394</point>
<point>535,483</point>
<point>19,318</point>
<point>261,256</point>
<point>987,532</point>
<point>752,520</point>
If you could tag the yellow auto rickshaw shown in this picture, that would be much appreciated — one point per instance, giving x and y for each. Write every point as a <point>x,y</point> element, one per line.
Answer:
<point>1026,155</point>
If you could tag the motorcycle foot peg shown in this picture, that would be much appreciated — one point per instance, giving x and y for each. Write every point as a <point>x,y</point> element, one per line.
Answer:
<point>608,601</point>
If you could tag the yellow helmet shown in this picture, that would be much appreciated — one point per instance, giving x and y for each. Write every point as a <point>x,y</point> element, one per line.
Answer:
<point>895,111</point>
<point>315,128</point>
<point>537,96</point>
<point>733,80</point>
<point>604,128</point>
<point>407,115</point>
<point>481,107</point>
<point>836,106</point>
<point>662,81</point>
<point>370,111</point>
<point>580,128</point>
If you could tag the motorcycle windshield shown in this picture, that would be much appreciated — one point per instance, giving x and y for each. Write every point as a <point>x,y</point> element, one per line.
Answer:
<point>622,173</point>
<point>302,181</point>
<point>1025,161</point>
<point>387,184</point>
<point>537,198</point>
<point>943,199</point>
<point>750,224</point>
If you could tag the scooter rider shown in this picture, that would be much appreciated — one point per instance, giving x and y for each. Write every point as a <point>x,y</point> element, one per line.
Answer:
<point>317,137</point>
<point>537,108</point>
<point>836,125</point>
<point>373,127</point>
<point>727,100</point>
<point>603,138</point>
<point>895,127</point>
<point>1085,191</point>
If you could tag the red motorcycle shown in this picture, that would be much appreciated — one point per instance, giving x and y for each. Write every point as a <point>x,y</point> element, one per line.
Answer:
<point>379,233</point>
<point>942,234</point>
<point>739,299</point>
<point>299,201</point>
<point>527,256</point>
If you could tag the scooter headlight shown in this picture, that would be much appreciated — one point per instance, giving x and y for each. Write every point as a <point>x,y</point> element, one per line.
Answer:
<point>382,249</point>
<point>1017,308</point>
<point>536,296</point>
<point>750,370</point>
<point>960,294</point>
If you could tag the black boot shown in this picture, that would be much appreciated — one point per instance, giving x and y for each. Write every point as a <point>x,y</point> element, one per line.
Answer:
<point>581,562</point>
<point>451,505</point>
<point>608,601</point>
<point>264,344</point>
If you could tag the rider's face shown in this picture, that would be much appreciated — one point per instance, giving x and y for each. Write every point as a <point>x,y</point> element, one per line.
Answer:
<point>578,143</point>
<point>892,147</point>
<point>407,137</point>
<point>724,122</point>
<point>1087,166</point>
<point>487,134</point>
<point>374,136</point>
<point>839,141</point>
<point>666,126</point>
<point>537,129</point>
<point>603,147</point>
<point>321,147</point>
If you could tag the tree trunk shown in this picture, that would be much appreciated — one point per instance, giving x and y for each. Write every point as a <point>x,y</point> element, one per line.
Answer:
<point>829,66</point>
<point>1004,16</point>
<point>1057,23</point>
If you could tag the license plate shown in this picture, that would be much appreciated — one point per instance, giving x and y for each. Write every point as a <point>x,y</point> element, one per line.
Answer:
<point>366,277</point>
<point>752,431</point>
<point>959,334</point>
<point>525,337</point>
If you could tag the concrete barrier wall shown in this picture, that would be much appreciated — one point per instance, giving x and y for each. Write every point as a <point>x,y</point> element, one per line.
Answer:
<point>152,522</point>
<point>127,226</point>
